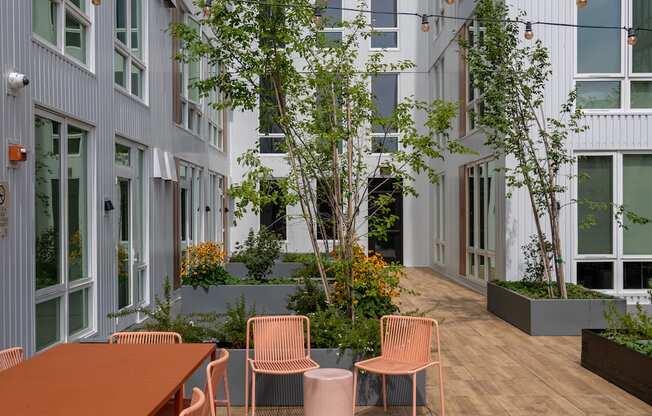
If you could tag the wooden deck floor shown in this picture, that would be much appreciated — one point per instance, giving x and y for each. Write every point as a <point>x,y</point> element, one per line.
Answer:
<point>491,368</point>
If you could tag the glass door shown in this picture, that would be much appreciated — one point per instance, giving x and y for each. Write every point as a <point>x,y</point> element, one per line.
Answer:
<point>131,258</point>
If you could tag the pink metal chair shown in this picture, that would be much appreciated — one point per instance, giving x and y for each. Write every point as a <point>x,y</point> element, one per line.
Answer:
<point>216,373</point>
<point>405,350</point>
<point>145,338</point>
<point>10,357</point>
<point>197,405</point>
<point>281,347</point>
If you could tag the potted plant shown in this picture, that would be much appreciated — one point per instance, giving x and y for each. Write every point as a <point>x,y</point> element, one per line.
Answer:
<point>622,354</point>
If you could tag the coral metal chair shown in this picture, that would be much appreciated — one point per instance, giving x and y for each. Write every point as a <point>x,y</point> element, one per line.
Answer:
<point>197,405</point>
<point>145,338</point>
<point>281,347</point>
<point>10,357</point>
<point>405,344</point>
<point>216,372</point>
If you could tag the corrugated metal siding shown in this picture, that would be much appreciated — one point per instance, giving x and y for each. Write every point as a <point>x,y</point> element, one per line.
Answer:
<point>68,90</point>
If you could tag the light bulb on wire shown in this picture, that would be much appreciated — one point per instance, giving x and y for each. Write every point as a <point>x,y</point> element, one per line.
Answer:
<point>316,17</point>
<point>96,2</point>
<point>529,33</point>
<point>581,3</point>
<point>450,1</point>
<point>425,24</point>
<point>631,36</point>
<point>207,7</point>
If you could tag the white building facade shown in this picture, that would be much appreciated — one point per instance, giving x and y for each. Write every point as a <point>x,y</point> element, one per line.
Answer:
<point>125,165</point>
<point>477,233</point>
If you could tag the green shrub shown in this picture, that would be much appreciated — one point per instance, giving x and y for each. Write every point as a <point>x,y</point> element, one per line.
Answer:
<point>332,328</point>
<point>234,328</point>
<point>192,328</point>
<point>258,252</point>
<point>309,261</point>
<point>539,290</point>
<point>308,298</point>
<point>630,330</point>
<point>203,265</point>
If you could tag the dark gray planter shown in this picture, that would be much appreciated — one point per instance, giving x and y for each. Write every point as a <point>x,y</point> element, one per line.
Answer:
<point>279,270</point>
<point>268,299</point>
<point>622,366</point>
<point>549,316</point>
<point>288,390</point>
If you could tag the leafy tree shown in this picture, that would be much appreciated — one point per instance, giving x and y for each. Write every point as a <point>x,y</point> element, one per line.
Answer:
<point>513,78</point>
<point>317,93</point>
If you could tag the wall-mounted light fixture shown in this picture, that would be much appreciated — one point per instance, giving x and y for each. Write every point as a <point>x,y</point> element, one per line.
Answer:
<point>17,153</point>
<point>108,205</point>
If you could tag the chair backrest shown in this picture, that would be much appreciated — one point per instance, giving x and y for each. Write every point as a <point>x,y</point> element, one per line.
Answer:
<point>406,338</point>
<point>10,358</point>
<point>145,338</point>
<point>214,375</point>
<point>279,338</point>
<point>197,405</point>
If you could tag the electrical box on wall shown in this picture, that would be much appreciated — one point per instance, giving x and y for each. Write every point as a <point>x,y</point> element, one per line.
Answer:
<point>17,153</point>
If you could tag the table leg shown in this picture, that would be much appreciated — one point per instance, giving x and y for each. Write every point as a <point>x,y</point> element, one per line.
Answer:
<point>178,401</point>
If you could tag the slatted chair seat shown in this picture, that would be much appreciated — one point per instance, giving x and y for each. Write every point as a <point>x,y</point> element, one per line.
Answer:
<point>380,365</point>
<point>284,367</point>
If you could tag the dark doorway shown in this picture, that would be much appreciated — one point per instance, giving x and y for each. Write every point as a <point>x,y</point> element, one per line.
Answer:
<point>391,247</point>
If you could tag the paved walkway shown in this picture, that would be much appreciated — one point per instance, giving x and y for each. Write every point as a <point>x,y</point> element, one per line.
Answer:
<point>491,368</point>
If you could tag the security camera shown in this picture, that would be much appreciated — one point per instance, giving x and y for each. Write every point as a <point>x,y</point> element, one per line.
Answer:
<point>17,81</point>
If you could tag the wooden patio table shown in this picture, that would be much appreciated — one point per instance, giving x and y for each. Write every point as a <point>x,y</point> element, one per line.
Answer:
<point>101,379</point>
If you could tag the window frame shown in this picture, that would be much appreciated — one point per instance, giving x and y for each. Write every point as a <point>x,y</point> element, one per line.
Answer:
<point>387,135</point>
<point>473,106</point>
<point>617,257</point>
<point>131,59</point>
<point>285,217</point>
<point>65,287</point>
<point>216,118</point>
<point>86,19</point>
<point>439,221</point>
<point>626,76</point>
<point>395,29</point>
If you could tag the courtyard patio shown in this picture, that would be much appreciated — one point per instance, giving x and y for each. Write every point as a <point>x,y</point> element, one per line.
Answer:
<point>492,368</point>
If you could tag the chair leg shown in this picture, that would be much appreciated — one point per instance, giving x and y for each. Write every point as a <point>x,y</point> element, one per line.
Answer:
<point>355,387</point>
<point>384,392</point>
<point>253,393</point>
<point>246,387</point>
<point>414,394</point>
<point>441,390</point>
<point>227,395</point>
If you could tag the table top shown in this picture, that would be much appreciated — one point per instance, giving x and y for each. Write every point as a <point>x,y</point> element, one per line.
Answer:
<point>99,379</point>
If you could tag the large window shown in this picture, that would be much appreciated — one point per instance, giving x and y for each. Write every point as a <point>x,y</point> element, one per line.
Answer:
<point>439,221</point>
<point>331,20</point>
<point>481,220</point>
<point>65,25</point>
<point>63,280</point>
<point>384,88</point>
<point>613,254</point>
<point>190,180</point>
<point>217,117</point>
<point>384,21</point>
<point>191,102</point>
<point>440,90</point>
<point>129,61</point>
<point>273,216</point>
<point>326,224</point>
<point>271,136</point>
<point>215,212</point>
<point>612,75</point>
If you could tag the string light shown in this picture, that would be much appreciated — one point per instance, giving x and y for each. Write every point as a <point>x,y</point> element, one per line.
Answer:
<point>631,36</point>
<point>425,24</point>
<point>96,2</point>
<point>316,17</point>
<point>529,33</point>
<point>207,7</point>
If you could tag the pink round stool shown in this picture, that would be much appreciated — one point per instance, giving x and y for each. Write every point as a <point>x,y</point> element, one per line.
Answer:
<point>328,392</point>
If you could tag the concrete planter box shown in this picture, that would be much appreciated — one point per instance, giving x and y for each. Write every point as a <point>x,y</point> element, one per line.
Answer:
<point>268,299</point>
<point>288,390</point>
<point>622,366</point>
<point>279,270</point>
<point>549,316</point>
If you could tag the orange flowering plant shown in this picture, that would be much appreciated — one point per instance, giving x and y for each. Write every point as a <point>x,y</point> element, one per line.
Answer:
<point>203,265</point>
<point>372,288</point>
